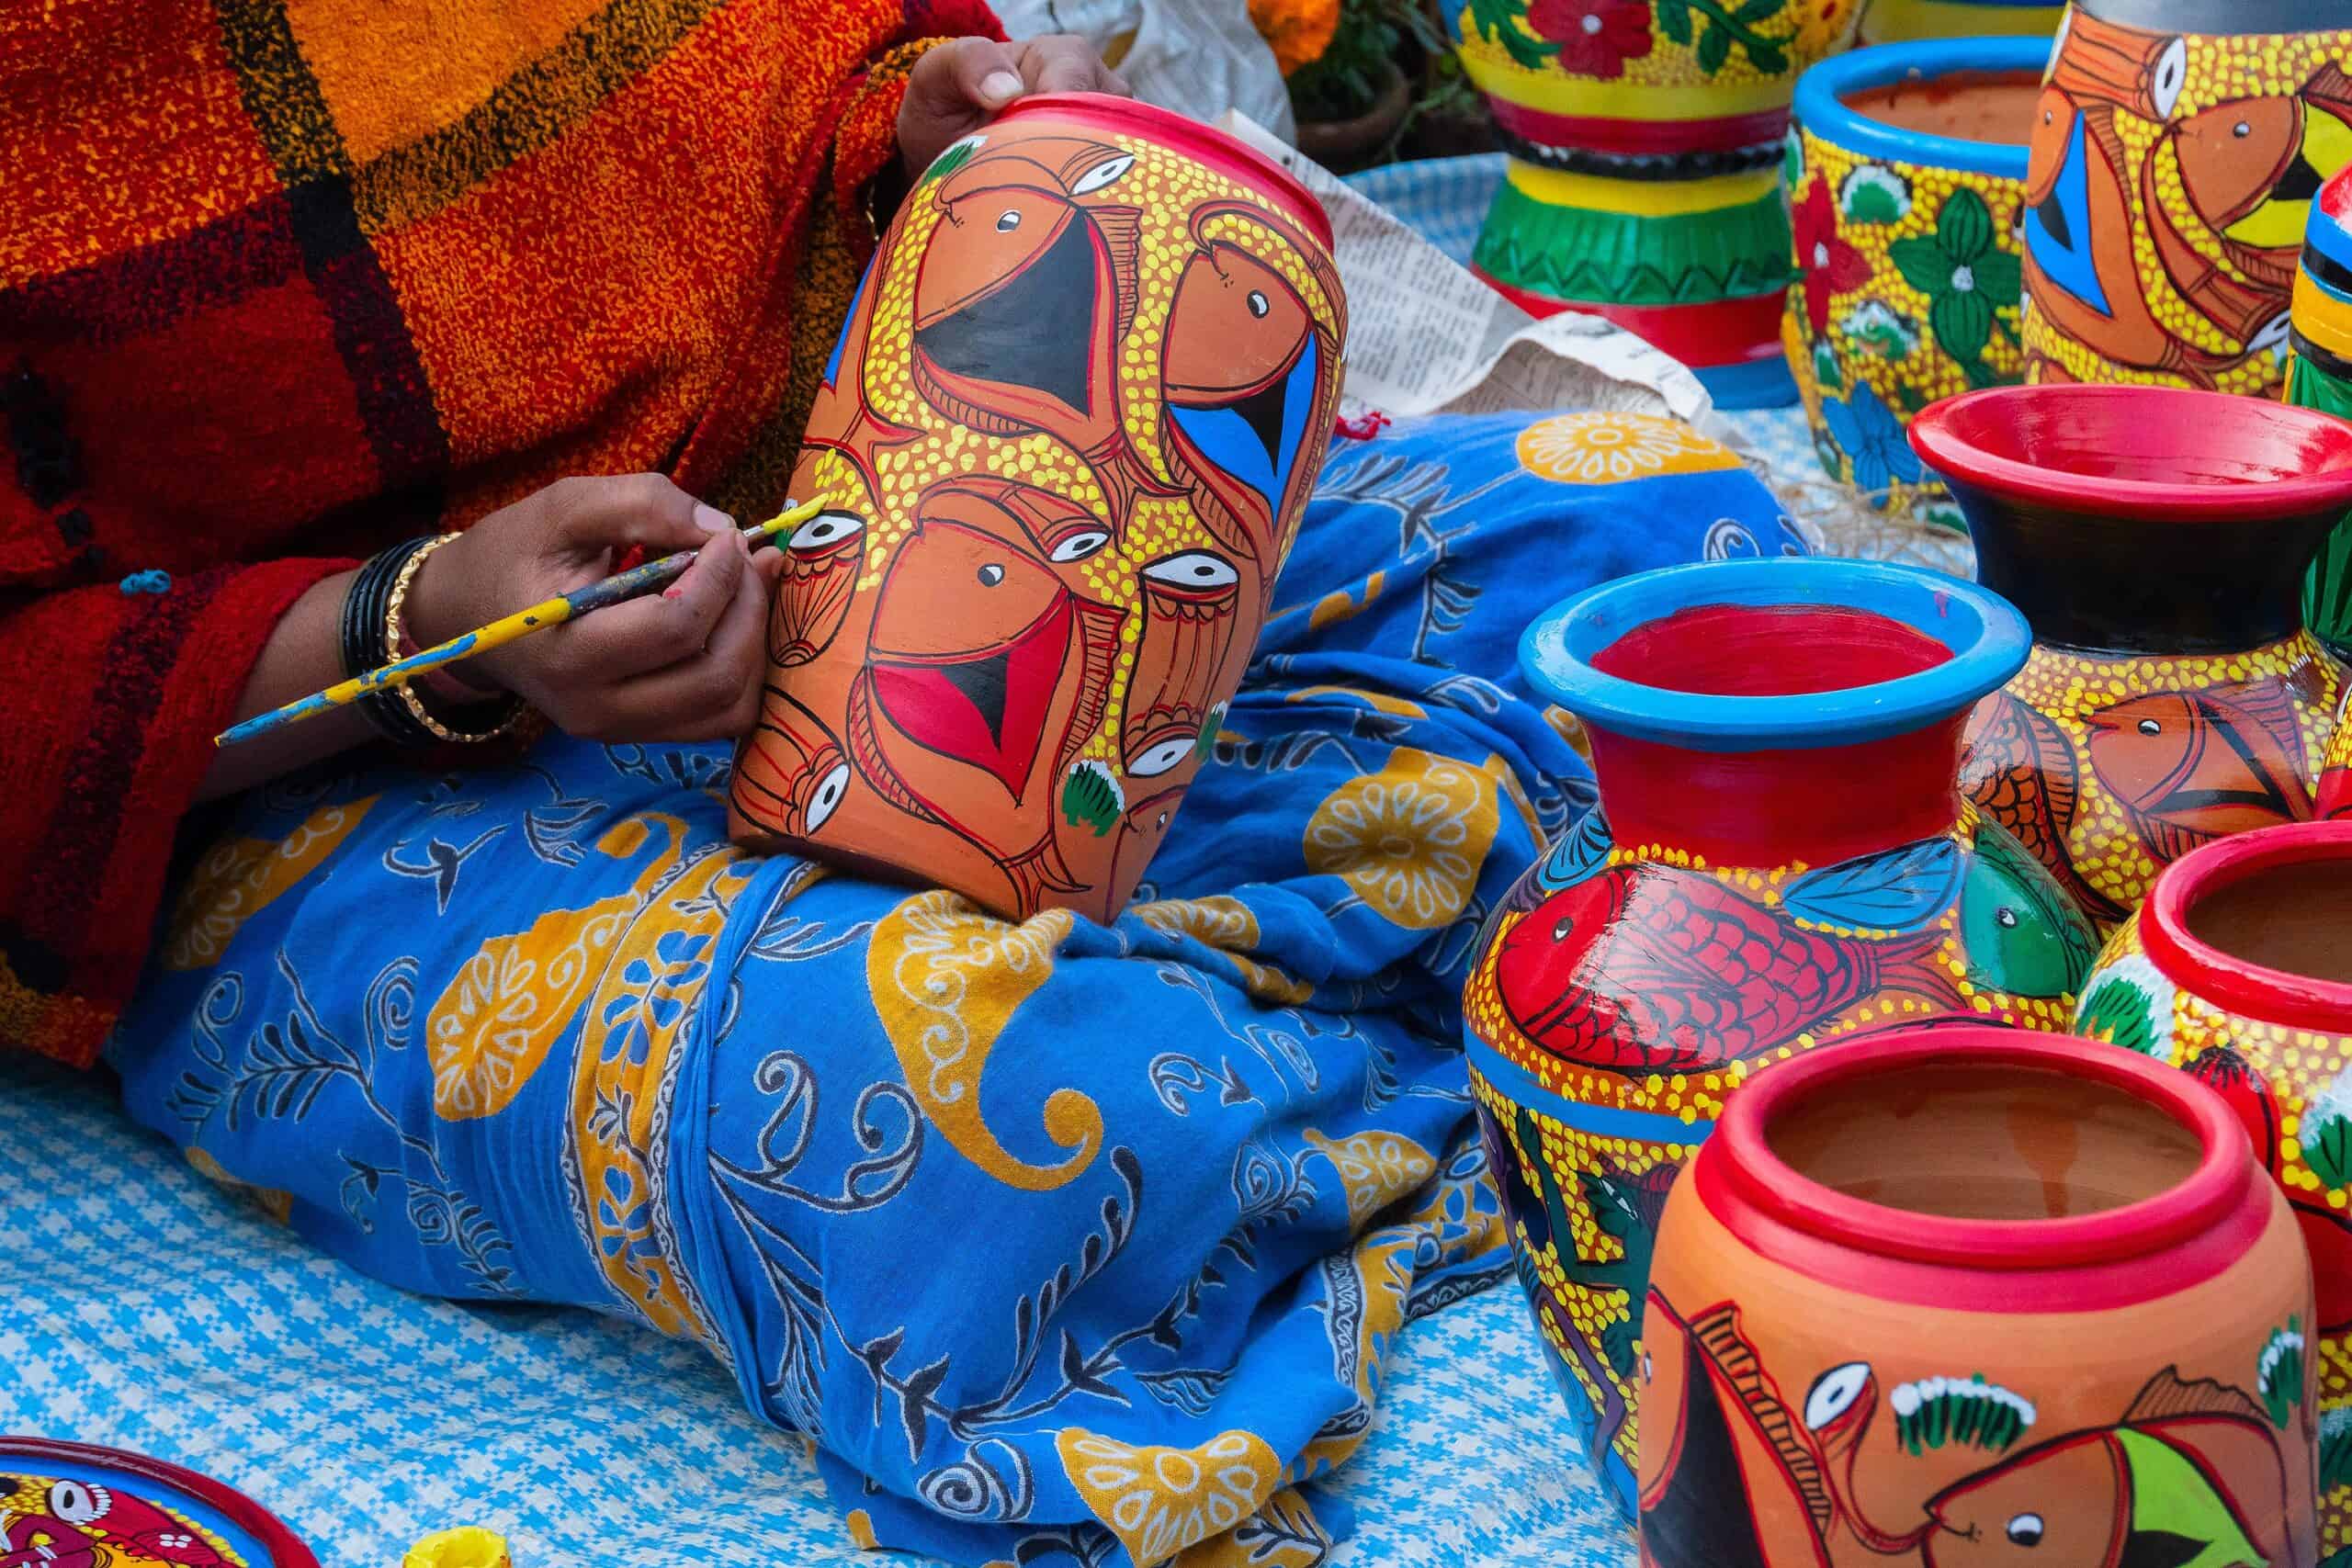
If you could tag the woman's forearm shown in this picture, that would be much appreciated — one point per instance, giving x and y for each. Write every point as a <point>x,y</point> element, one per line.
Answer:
<point>303,655</point>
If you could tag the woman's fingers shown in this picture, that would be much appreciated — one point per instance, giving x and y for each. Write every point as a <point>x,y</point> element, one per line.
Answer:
<point>1064,64</point>
<point>715,693</point>
<point>618,512</point>
<point>659,629</point>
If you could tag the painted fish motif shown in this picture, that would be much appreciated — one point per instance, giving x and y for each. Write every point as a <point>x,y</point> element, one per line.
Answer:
<point>48,1523</point>
<point>2191,1477</point>
<point>2017,767</point>
<point>1696,974</point>
<point>2189,767</point>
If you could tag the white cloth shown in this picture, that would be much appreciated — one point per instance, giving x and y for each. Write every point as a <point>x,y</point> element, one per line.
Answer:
<point>1197,57</point>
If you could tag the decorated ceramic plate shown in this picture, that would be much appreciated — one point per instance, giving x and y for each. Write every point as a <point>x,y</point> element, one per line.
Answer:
<point>73,1506</point>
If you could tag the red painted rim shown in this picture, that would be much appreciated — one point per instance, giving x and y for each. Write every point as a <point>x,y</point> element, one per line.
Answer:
<point>2237,985</point>
<point>1974,438</point>
<point>1640,138</point>
<point>1228,154</point>
<point>1703,334</point>
<point>2200,1226</point>
<point>286,1549</point>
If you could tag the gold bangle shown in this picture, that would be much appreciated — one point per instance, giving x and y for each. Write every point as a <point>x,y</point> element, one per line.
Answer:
<point>393,605</point>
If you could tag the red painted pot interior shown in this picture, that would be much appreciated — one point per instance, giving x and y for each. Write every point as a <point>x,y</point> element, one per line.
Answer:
<point>1988,1149</point>
<point>1236,159</point>
<point>2261,924</point>
<point>2159,452</point>
<point>1768,651</point>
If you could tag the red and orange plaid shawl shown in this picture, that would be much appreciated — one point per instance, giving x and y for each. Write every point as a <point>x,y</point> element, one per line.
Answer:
<point>282,281</point>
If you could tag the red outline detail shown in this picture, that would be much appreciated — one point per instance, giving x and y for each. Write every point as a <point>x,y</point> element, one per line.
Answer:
<point>286,1549</point>
<point>2233,984</point>
<point>1704,334</point>
<point>1641,138</point>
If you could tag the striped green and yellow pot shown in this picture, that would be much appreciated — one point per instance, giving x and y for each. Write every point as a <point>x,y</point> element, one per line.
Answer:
<point>2319,376</point>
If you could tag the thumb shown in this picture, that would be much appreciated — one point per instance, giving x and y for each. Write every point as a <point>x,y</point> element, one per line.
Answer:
<point>971,72</point>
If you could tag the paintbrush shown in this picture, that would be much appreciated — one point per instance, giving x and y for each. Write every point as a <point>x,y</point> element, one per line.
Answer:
<point>638,581</point>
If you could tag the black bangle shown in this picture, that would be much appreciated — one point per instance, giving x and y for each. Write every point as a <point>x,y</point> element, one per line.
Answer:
<point>364,646</point>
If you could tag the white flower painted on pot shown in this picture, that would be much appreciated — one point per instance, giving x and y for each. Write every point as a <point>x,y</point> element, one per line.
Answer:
<point>1882,329</point>
<point>2128,1002</point>
<point>1874,193</point>
<point>2325,1131</point>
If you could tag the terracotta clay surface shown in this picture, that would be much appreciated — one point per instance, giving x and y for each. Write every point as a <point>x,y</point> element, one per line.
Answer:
<point>1975,106</point>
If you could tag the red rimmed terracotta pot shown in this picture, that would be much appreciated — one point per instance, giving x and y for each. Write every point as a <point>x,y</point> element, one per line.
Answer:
<point>2155,540</point>
<point>2239,969</point>
<point>1973,1296</point>
<point>1063,443</point>
<point>77,1506</point>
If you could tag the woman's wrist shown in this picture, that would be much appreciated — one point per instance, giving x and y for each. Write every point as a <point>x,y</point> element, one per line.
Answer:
<point>440,605</point>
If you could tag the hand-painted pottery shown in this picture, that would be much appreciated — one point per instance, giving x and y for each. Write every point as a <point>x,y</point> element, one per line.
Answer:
<point>1065,437</point>
<point>2319,376</point>
<point>1970,1297</point>
<point>1643,136</point>
<point>2333,799</point>
<point>73,1506</point>
<point>2239,969</point>
<point>1907,21</point>
<point>2176,154</point>
<point>1906,178</point>
<point>2154,538</point>
<point>1779,859</point>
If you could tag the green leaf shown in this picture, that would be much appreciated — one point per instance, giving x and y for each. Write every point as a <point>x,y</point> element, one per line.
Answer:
<point>1923,263</point>
<point>1963,324</point>
<point>1674,20</point>
<point>2121,1013</point>
<point>1759,11</point>
<point>1714,48</point>
<point>1965,225</point>
<point>1981,375</point>
<point>1768,58</point>
<point>1911,399</point>
<point>2327,1149</point>
<point>1999,277</point>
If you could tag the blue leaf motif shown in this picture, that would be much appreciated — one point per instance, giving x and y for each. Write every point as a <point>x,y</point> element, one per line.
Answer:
<point>1899,889</point>
<point>1576,853</point>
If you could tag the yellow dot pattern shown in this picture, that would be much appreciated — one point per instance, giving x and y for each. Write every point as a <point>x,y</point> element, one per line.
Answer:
<point>1805,30</point>
<point>2107,849</point>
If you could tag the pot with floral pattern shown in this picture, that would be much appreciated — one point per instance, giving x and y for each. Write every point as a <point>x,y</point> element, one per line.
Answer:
<point>1643,136</point>
<point>1906,180</point>
<point>2238,969</point>
<point>1907,21</point>
<point>2176,153</point>
<point>1778,859</point>
<point>2319,376</point>
<point>2155,538</point>
<point>1974,1298</point>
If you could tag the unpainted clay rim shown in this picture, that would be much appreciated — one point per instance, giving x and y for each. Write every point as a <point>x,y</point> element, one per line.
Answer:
<point>1936,437</point>
<point>1821,109</point>
<point>1220,150</point>
<point>1743,1159</point>
<point>2233,984</point>
<point>286,1549</point>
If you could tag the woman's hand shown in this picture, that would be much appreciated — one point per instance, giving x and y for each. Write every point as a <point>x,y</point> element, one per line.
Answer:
<point>960,85</point>
<point>683,664</point>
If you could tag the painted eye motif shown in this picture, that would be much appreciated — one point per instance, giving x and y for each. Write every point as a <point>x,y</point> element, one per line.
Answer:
<point>2150,727</point>
<point>1194,571</point>
<point>2170,76</point>
<point>2025,1529</point>
<point>1008,221</point>
<point>825,530</point>
<point>1159,758</point>
<point>828,792</point>
<point>1080,545</point>
<point>1649,1369</point>
<point>76,1504</point>
<point>1834,1393</point>
<point>1102,174</point>
<point>1258,305</point>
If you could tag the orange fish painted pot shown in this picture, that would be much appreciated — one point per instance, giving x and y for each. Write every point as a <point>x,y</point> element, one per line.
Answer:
<point>1972,1298</point>
<point>2238,969</point>
<point>2156,540</point>
<point>1065,441</point>
<point>2175,152</point>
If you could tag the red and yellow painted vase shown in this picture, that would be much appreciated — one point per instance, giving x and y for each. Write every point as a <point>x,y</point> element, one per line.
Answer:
<point>1970,1298</point>
<point>2238,970</point>
<point>1065,441</point>
<point>1780,859</point>
<point>2176,153</point>
<point>1644,138</point>
<point>2319,376</point>
<point>2156,540</point>
<point>2333,801</point>
<point>76,1505</point>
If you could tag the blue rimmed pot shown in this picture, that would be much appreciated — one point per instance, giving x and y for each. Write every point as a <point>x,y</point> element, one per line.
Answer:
<point>1781,859</point>
<point>1906,241</point>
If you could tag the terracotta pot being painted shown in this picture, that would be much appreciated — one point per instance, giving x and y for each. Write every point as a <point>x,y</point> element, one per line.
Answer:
<point>1643,136</point>
<point>2155,540</point>
<point>2319,376</point>
<point>1906,180</point>
<point>1780,859</point>
<point>2239,969</point>
<point>1065,437</point>
<point>2175,154</point>
<point>1909,21</point>
<point>1970,1297</point>
<point>74,1505</point>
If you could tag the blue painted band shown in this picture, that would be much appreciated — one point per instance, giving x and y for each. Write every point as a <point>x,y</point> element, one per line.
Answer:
<point>1987,637</point>
<point>1749,383</point>
<point>2338,288</point>
<point>1521,1086</point>
<point>1820,107</point>
<point>2325,236</point>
